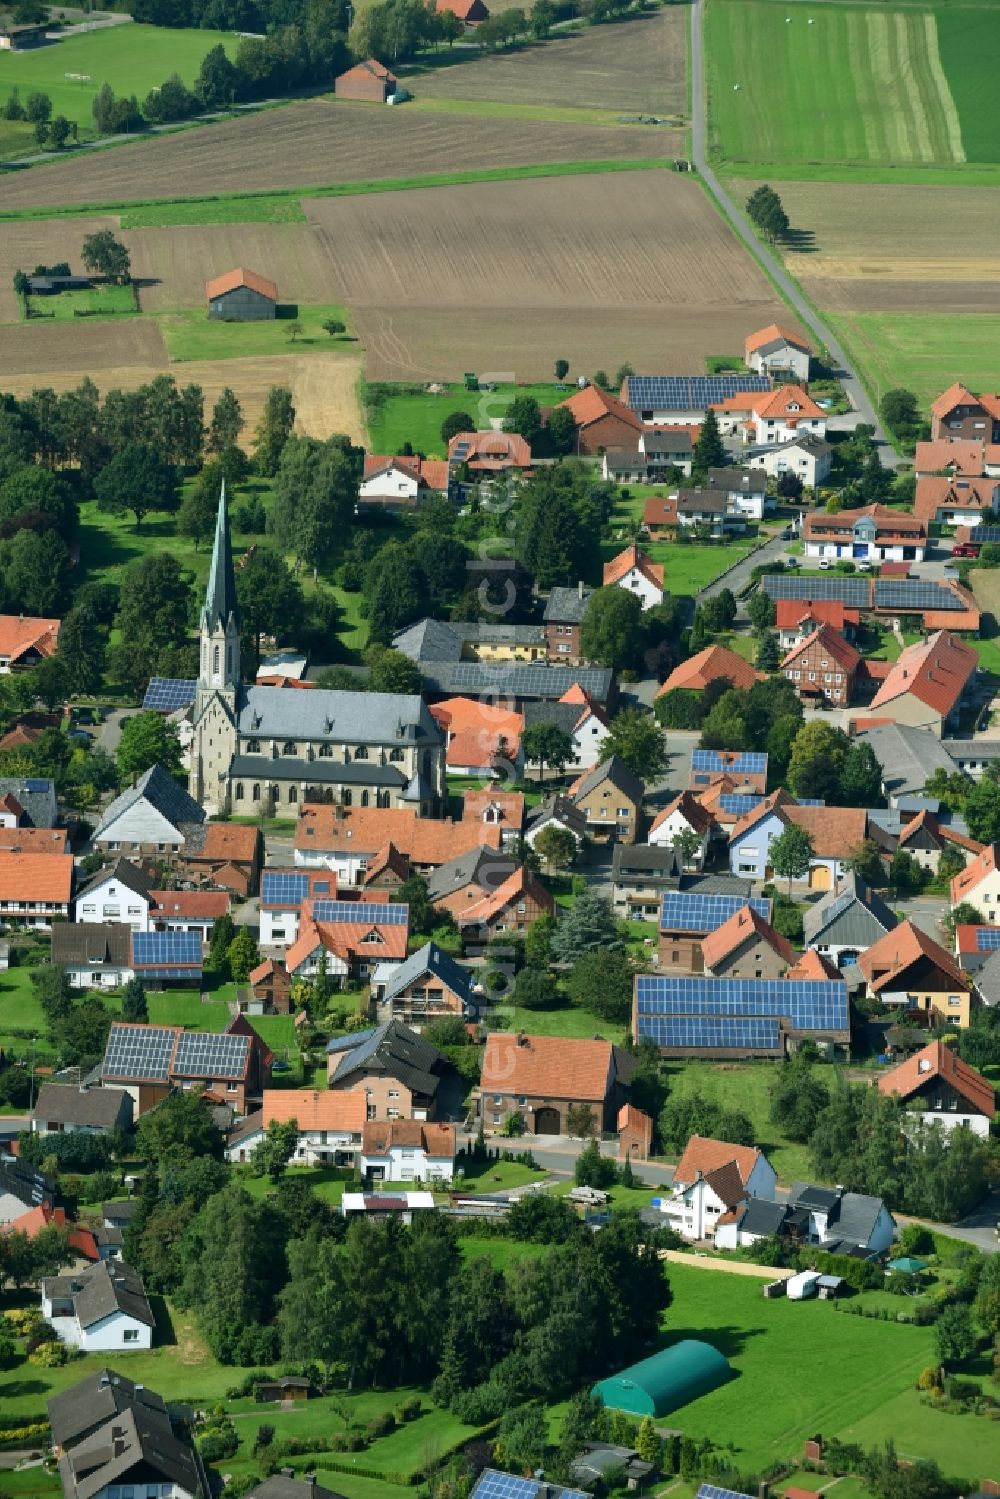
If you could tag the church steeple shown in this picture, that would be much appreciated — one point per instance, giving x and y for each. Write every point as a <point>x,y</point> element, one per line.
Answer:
<point>219,669</point>
<point>221,603</point>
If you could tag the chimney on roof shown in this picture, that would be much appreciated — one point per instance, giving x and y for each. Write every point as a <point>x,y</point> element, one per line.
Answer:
<point>579,588</point>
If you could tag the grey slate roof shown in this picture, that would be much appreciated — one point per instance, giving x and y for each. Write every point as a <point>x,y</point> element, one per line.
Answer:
<point>566,606</point>
<point>908,757</point>
<point>517,679</point>
<point>315,772</point>
<point>808,1195</point>
<point>855,916</point>
<point>94,1108</point>
<point>483,865</point>
<point>392,1050</point>
<point>564,812</point>
<point>36,796</point>
<point>433,960</point>
<point>132,876</point>
<point>763,1217</point>
<point>120,1211</point>
<point>564,715</point>
<point>987,980</point>
<point>708,501</point>
<point>343,717</point>
<point>280,1486</point>
<point>856,1217</point>
<point>643,861</point>
<point>81,1409</point>
<point>221,603</point>
<point>159,788</point>
<point>252,1125</point>
<point>496,632</point>
<point>98,944</point>
<point>102,1289</point>
<point>617,773</point>
<point>429,640</point>
<point>741,480</point>
<point>667,440</point>
<point>716,884</point>
<point>138,1439</point>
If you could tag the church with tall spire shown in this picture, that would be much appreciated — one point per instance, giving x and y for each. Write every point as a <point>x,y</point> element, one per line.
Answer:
<point>265,750</point>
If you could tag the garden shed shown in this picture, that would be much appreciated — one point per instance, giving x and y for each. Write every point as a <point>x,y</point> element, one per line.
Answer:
<point>667,1380</point>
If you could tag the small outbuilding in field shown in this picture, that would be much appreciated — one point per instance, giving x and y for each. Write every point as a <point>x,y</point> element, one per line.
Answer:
<point>669,1379</point>
<point>469,12</point>
<point>241,296</point>
<point>369,81</point>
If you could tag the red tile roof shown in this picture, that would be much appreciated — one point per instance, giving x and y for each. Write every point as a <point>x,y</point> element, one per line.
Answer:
<point>633,557</point>
<point>774,333</point>
<point>888,523</point>
<point>660,510</point>
<point>593,404</point>
<point>727,1184</point>
<point>741,927</point>
<point>968,878</point>
<point>934,493</point>
<point>34,840</point>
<point>326,878</point>
<point>938,1060</point>
<point>433,472</point>
<point>961,395</point>
<point>939,830</point>
<point>202,905</point>
<point>791,612</point>
<point>230,280</point>
<point>713,664</point>
<point>832,643</point>
<point>902,947</point>
<point>492,450</point>
<point>703,1154</point>
<point>546,1067</point>
<point>315,1109</point>
<point>631,1118</point>
<point>774,405</point>
<point>20,633</point>
<point>836,831</point>
<point>388,860</point>
<point>370,69</point>
<point>47,878</point>
<point>347,940</point>
<point>965,456</point>
<point>423,840</point>
<point>510,805</point>
<point>692,811</point>
<point>227,843</point>
<point>934,671</point>
<point>521,883</point>
<point>380,1136</point>
<point>812,966</point>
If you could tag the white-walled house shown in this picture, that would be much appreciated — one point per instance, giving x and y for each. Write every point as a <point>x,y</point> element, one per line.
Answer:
<point>809,458</point>
<point>407,1150</point>
<point>836,832</point>
<point>282,892</point>
<point>938,1088</point>
<point>773,416</point>
<point>102,1308</point>
<point>64,1108</point>
<point>713,1181</point>
<point>841,1221</point>
<point>683,815</point>
<point>114,1438</point>
<point>329,1124</point>
<point>120,894</point>
<point>636,572</point>
<point>778,352</point>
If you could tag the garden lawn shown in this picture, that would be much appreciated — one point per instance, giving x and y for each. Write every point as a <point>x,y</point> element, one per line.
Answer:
<point>965,1446</point>
<point>497,1176</point>
<point>133,59</point>
<point>19,1005</point>
<point>566,1021</point>
<point>922,351</point>
<point>99,301</point>
<point>189,334</point>
<point>746,1086</point>
<point>780,1396</point>
<point>328,1182</point>
<point>400,414</point>
<point>688,568</point>
<point>185,1007</point>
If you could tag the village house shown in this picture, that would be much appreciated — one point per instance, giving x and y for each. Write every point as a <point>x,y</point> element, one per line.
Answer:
<point>978,884</point>
<point>100,1308</point>
<point>746,769</point>
<point>926,684</point>
<point>493,808</point>
<point>79,1411</point>
<point>425,986</point>
<point>659,517</point>
<point>823,667</point>
<point>397,1072</point>
<point>610,796</point>
<point>345,840</point>
<point>639,875</point>
<point>400,484</point>
<point>908,970</point>
<point>635,1133</point>
<point>147,1061</point>
<point>407,1150</point>
<point>329,1126</point>
<point>35,889</point>
<point>842,1222</point>
<point>556,812</point>
<point>465,881</point>
<point>497,661</point>
<point>955,501</point>
<point>688,917</point>
<point>925,838</point>
<point>282,893</point>
<point>149,819</point>
<point>778,352</point>
<point>713,1178</point>
<point>241,296</point>
<point>847,921</point>
<point>270,991</point>
<point>836,833</point>
<point>796,619</point>
<point>745,491</point>
<point>968,458</point>
<point>777,416</point>
<point>938,1087</point>
<point>633,569</point>
<point>349,938</point>
<point>543,1078</point>
<point>874,534</point>
<point>227,855</point>
<point>513,906</point>
<point>25,641</point>
<point>433,644</point>
<point>121,893</point>
<point>63,1109</point>
<point>387,872</point>
<point>808,458</point>
<point>369,82</point>
<point>683,815</point>
<point>714,664</point>
<point>682,400</point>
<point>661,454</point>
<point>481,740</point>
<point>601,420</point>
<point>746,946</point>
<point>709,510</point>
<point>188,911</point>
<point>111,1434</point>
<point>957,414</point>
<point>28,728</point>
<point>564,612</point>
<point>489,452</point>
<point>581,718</point>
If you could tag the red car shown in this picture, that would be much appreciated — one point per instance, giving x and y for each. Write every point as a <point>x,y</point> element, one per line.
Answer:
<point>965,549</point>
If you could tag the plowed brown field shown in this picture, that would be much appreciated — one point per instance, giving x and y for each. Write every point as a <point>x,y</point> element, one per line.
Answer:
<point>174,263</point>
<point>43,349</point>
<point>636,66</point>
<point>598,270</point>
<point>317,142</point>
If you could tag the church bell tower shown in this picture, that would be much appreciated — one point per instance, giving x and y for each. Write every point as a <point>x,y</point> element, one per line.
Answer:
<point>219,662</point>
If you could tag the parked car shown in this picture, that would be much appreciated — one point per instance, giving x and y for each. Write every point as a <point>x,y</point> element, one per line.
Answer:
<point>825,564</point>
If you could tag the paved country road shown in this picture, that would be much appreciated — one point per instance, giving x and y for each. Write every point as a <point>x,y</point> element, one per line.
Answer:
<point>699,134</point>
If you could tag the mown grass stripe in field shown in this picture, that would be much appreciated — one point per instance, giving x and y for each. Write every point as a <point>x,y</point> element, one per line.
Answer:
<point>969,49</point>
<point>952,124</point>
<point>341,190</point>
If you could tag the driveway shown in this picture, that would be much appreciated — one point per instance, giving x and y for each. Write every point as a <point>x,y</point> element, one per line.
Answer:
<point>739,577</point>
<point>853,388</point>
<point>110,733</point>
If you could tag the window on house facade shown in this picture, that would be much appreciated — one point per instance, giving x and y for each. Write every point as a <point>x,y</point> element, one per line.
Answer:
<point>239,791</point>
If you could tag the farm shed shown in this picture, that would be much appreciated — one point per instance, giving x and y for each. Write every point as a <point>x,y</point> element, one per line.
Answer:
<point>667,1380</point>
<point>368,81</point>
<point>241,296</point>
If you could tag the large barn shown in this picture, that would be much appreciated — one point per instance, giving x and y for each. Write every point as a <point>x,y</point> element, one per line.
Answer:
<point>241,296</point>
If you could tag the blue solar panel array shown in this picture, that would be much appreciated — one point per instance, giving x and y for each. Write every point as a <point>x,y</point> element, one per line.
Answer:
<point>356,911</point>
<point>819,1005</point>
<point>983,534</point>
<point>139,1051</point>
<point>988,939</point>
<point>739,806</point>
<point>283,888</point>
<point>914,593</point>
<point>166,948</point>
<point>712,1032</point>
<point>689,392</point>
<point>494,1485</point>
<point>745,763</point>
<point>853,593</point>
<point>709,1491</point>
<point>211,1054</point>
<point>687,911</point>
<point>167,694</point>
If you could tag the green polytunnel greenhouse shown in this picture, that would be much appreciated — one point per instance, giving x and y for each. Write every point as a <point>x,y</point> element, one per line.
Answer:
<point>667,1380</point>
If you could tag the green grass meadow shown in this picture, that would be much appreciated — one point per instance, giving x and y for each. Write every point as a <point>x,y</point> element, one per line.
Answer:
<point>264,210</point>
<point>922,351</point>
<point>189,334</point>
<point>133,59</point>
<point>411,415</point>
<point>99,301</point>
<point>861,84</point>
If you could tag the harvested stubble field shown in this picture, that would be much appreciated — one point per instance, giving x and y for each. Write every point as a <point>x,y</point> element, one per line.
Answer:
<point>33,242</point>
<point>316,143</point>
<point>637,66</point>
<point>90,346</point>
<point>323,386</point>
<point>593,269</point>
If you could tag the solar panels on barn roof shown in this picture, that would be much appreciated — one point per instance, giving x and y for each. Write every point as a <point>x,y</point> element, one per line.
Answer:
<point>854,593</point>
<point>355,911</point>
<point>688,392</point>
<point>709,1491</point>
<point>808,1006</point>
<point>211,1054</point>
<point>714,1032</point>
<point>141,1051</point>
<point>913,593</point>
<point>494,1485</point>
<point>687,911</point>
<point>167,694</point>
